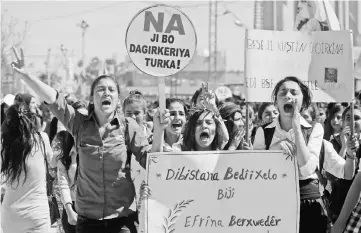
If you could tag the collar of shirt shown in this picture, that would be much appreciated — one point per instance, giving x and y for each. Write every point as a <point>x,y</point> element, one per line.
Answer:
<point>115,121</point>
<point>175,147</point>
<point>276,123</point>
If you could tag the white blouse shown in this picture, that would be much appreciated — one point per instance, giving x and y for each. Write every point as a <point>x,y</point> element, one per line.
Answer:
<point>308,171</point>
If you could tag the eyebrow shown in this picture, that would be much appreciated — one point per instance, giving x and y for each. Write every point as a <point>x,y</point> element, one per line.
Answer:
<point>104,86</point>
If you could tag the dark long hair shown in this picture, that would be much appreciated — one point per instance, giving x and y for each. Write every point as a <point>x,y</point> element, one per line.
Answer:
<point>329,131</point>
<point>18,139</point>
<point>189,141</point>
<point>66,143</point>
<point>53,129</point>
<point>3,105</point>
<point>227,111</point>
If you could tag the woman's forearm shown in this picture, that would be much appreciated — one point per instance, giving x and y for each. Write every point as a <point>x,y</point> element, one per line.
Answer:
<point>349,169</point>
<point>45,92</point>
<point>303,153</point>
<point>158,141</point>
<point>352,198</point>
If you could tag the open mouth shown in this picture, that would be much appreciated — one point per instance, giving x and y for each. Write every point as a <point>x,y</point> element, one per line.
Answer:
<point>204,136</point>
<point>288,108</point>
<point>177,125</point>
<point>106,102</point>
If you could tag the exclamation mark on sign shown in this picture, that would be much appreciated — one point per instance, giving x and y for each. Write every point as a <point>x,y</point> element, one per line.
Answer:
<point>178,64</point>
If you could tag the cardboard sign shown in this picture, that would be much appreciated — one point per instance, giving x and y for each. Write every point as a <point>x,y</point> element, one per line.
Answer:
<point>212,192</point>
<point>161,40</point>
<point>322,60</point>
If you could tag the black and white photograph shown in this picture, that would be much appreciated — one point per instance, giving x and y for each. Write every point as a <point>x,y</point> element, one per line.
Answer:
<point>198,116</point>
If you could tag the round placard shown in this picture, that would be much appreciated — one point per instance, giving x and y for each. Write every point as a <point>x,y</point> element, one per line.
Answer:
<point>161,40</point>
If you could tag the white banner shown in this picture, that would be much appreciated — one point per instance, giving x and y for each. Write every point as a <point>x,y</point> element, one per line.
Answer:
<point>212,192</point>
<point>322,60</point>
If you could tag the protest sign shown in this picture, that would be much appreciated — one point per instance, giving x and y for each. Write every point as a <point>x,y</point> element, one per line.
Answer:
<point>322,60</point>
<point>222,191</point>
<point>161,40</point>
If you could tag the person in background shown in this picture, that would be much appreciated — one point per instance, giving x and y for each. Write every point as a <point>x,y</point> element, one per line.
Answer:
<point>134,106</point>
<point>267,113</point>
<point>7,102</point>
<point>340,187</point>
<point>24,153</point>
<point>65,163</point>
<point>333,122</point>
<point>231,114</point>
<point>173,137</point>
<point>309,114</point>
<point>320,115</point>
<point>251,118</point>
<point>151,110</point>
<point>66,169</point>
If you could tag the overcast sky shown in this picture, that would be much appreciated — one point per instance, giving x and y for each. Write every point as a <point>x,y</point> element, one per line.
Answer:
<point>53,23</point>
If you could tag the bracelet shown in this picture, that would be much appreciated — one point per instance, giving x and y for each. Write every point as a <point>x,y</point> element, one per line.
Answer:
<point>350,156</point>
<point>71,204</point>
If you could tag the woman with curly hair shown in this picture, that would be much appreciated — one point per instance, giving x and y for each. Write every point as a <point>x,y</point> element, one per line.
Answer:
<point>24,157</point>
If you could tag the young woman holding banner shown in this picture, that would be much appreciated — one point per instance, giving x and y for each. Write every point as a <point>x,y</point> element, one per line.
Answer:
<point>104,141</point>
<point>291,132</point>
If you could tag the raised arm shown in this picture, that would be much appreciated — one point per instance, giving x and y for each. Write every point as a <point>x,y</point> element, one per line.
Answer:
<point>45,92</point>
<point>56,102</point>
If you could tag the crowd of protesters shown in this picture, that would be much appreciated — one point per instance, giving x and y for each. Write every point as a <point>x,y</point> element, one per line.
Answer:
<point>88,147</point>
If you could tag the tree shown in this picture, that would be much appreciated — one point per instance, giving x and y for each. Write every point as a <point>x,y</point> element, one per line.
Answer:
<point>11,35</point>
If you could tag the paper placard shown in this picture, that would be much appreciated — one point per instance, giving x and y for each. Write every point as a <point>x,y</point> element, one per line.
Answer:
<point>322,60</point>
<point>212,192</point>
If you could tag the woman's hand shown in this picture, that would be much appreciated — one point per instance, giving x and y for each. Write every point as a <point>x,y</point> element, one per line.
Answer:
<point>247,145</point>
<point>223,136</point>
<point>158,125</point>
<point>296,119</point>
<point>237,139</point>
<point>18,65</point>
<point>288,147</point>
<point>345,135</point>
<point>145,191</point>
<point>352,145</point>
<point>72,217</point>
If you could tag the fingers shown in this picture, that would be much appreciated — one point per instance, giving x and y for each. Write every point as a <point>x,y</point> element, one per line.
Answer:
<point>22,54</point>
<point>16,53</point>
<point>145,191</point>
<point>295,105</point>
<point>20,71</point>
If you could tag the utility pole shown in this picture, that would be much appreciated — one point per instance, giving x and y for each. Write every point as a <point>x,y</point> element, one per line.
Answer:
<point>47,63</point>
<point>258,14</point>
<point>83,25</point>
<point>212,43</point>
<point>275,15</point>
